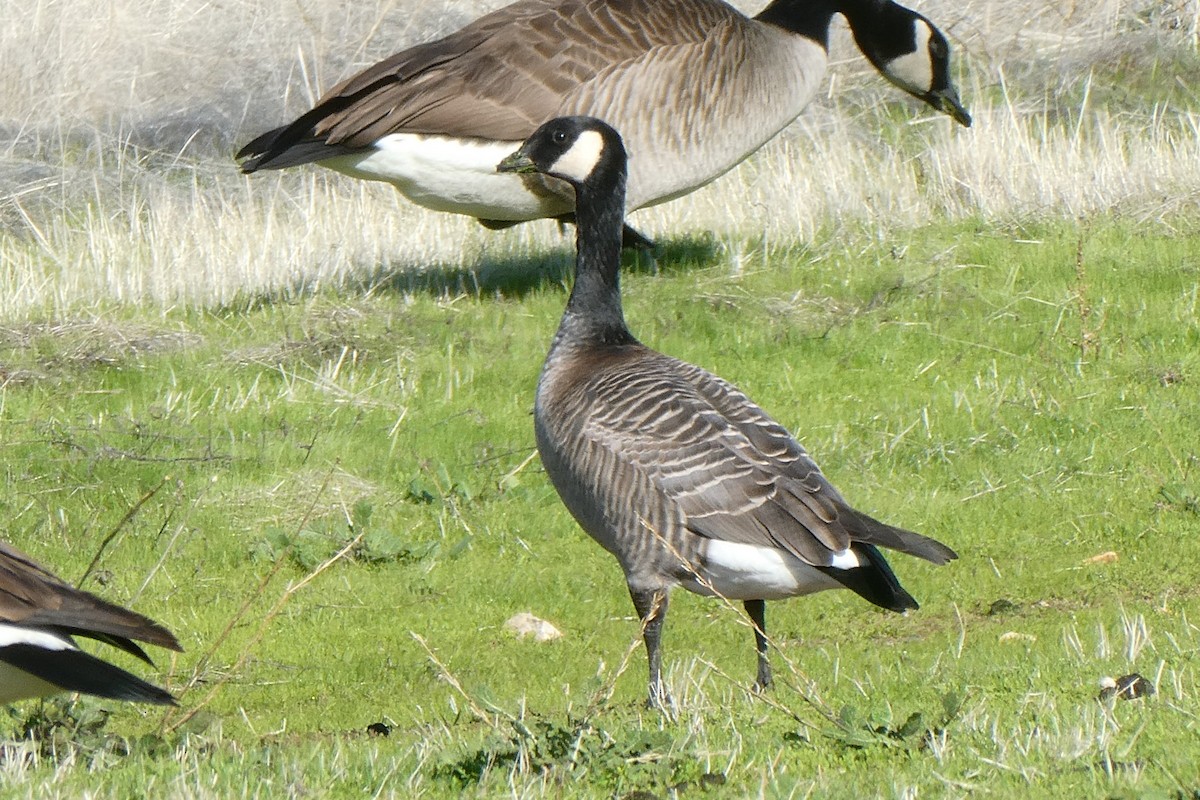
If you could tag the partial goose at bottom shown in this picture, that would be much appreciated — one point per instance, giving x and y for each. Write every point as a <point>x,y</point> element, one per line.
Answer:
<point>39,617</point>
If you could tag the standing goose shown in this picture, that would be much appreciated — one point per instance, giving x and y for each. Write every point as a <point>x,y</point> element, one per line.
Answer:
<point>670,468</point>
<point>694,86</point>
<point>39,615</point>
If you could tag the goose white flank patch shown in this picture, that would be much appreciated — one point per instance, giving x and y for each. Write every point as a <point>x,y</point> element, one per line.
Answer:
<point>748,572</point>
<point>447,174</point>
<point>670,468</point>
<point>39,617</point>
<point>695,87</point>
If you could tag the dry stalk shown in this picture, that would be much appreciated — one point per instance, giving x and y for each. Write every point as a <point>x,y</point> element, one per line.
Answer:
<point>169,724</point>
<point>266,622</point>
<point>805,687</point>
<point>491,716</point>
<point>129,515</point>
<point>1089,333</point>
<point>166,551</point>
<point>512,473</point>
<point>604,692</point>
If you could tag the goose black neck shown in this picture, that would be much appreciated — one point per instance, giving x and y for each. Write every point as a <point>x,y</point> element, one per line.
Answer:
<point>594,312</point>
<point>811,18</point>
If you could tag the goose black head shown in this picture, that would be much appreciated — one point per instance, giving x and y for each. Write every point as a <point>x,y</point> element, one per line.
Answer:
<point>580,150</point>
<point>914,55</point>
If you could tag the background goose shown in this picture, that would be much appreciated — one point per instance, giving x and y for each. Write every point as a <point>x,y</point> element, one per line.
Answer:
<point>694,86</point>
<point>39,614</point>
<point>674,471</point>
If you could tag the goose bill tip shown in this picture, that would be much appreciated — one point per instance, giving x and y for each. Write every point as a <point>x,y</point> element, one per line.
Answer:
<point>517,162</point>
<point>947,102</point>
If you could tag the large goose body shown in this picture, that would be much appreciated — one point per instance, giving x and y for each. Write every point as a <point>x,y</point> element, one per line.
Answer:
<point>695,87</point>
<point>674,156</point>
<point>674,471</point>
<point>39,617</point>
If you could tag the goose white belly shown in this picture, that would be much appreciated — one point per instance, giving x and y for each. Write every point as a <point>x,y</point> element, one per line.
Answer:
<point>455,175</point>
<point>15,683</point>
<point>749,572</point>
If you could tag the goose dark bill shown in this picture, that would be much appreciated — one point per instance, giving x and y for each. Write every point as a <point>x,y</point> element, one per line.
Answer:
<point>517,162</point>
<point>946,100</point>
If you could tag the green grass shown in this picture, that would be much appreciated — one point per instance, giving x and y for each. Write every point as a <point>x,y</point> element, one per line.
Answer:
<point>1026,394</point>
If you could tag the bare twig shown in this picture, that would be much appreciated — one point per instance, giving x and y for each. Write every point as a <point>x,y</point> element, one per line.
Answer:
<point>129,515</point>
<point>202,664</point>
<point>266,623</point>
<point>805,687</point>
<point>493,713</point>
<point>1089,330</point>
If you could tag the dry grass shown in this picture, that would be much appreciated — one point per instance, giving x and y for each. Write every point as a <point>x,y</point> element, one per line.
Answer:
<point>116,182</point>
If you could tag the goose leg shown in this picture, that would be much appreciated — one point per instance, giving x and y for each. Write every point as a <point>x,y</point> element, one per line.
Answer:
<point>632,239</point>
<point>757,609</point>
<point>651,605</point>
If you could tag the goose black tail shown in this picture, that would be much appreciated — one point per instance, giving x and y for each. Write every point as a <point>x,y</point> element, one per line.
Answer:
<point>874,581</point>
<point>77,671</point>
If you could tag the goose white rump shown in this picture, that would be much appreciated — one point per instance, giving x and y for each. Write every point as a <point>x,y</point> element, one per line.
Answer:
<point>16,683</point>
<point>749,572</point>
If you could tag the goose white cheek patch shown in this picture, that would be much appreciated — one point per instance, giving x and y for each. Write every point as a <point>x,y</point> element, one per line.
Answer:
<point>578,162</point>
<point>914,70</point>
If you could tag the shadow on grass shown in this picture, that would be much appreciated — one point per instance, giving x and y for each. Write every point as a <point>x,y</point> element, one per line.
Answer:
<point>507,277</point>
<point>514,277</point>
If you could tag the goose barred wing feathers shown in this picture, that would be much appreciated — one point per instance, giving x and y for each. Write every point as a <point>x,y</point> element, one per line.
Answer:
<point>726,469</point>
<point>503,93</point>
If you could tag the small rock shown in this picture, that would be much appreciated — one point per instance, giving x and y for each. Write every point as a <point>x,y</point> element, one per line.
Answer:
<point>1126,687</point>
<point>1014,636</point>
<point>524,624</point>
<point>1002,606</point>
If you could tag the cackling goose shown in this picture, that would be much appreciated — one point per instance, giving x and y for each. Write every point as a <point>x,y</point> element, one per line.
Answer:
<point>670,468</point>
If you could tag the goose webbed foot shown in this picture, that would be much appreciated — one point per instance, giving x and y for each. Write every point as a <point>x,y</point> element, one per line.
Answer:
<point>659,699</point>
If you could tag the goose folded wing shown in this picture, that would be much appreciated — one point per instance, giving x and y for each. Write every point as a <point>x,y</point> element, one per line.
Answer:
<point>25,587</point>
<point>725,484</point>
<point>506,73</point>
<point>33,597</point>
<point>801,479</point>
<point>734,474</point>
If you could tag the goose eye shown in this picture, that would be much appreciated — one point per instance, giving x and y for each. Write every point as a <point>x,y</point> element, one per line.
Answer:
<point>559,136</point>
